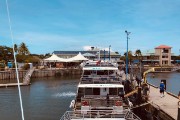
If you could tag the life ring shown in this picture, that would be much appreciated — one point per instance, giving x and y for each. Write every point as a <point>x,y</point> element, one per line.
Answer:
<point>118,103</point>
<point>85,103</point>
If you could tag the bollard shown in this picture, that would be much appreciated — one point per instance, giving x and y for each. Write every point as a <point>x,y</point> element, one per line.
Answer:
<point>178,117</point>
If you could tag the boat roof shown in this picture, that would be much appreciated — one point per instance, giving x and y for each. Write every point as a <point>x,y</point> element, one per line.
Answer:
<point>100,86</point>
<point>100,119</point>
<point>100,68</point>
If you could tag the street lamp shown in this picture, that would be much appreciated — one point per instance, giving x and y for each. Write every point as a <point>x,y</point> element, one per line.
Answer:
<point>109,52</point>
<point>127,33</point>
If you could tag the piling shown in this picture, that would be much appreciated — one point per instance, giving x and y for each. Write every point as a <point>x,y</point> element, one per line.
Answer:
<point>139,98</point>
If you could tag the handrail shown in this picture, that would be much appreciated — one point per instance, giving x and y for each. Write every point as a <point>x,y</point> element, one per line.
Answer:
<point>81,114</point>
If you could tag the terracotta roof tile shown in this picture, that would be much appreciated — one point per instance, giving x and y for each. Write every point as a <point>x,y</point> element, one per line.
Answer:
<point>162,46</point>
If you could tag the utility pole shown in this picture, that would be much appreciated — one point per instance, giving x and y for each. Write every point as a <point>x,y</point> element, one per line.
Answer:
<point>127,33</point>
<point>109,52</point>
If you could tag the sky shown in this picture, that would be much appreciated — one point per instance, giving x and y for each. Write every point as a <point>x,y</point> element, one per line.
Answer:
<point>59,25</point>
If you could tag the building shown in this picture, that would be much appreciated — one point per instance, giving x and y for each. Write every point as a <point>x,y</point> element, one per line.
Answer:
<point>92,54</point>
<point>164,53</point>
<point>161,56</point>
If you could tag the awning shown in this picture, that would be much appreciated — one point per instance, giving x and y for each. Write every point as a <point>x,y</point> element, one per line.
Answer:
<point>55,58</point>
<point>77,58</point>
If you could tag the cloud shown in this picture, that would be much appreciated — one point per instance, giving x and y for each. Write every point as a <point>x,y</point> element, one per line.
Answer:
<point>86,47</point>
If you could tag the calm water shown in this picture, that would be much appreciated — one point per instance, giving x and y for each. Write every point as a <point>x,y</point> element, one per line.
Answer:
<point>44,99</point>
<point>172,81</point>
<point>49,98</point>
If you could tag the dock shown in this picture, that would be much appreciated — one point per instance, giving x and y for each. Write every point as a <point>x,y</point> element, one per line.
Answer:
<point>168,104</point>
<point>12,84</point>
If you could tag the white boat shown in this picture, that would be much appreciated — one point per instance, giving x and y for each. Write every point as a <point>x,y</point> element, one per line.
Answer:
<point>100,95</point>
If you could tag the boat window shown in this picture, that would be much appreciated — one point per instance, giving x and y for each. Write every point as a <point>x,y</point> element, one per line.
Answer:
<point>120,91</point>
<point>80,94</point>
<point>105,72</point>
<point>87,72</point>
<point>100,72</point>
<point>111,72</point>
<point>81,91</point>
<point>88,91</point>
<point>96,91</point>
<point>113,91</point>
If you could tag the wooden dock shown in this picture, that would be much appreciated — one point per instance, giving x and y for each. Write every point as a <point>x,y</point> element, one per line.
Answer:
<point>12,84</point>
<point>168,103</point>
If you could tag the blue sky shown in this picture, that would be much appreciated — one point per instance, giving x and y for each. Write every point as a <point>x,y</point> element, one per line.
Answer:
<point>48,25</point>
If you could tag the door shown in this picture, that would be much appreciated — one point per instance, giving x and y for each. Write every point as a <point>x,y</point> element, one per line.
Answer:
<point>104,91</point>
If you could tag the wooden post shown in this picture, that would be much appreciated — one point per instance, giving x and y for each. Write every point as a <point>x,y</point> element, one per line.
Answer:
<point>139,95</point>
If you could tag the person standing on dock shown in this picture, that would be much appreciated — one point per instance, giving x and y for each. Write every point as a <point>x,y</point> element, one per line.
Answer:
<point>162,88</point>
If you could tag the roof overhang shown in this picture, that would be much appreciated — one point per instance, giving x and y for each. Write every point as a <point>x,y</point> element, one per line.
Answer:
<point>100,86</point>
<point>100,68</point>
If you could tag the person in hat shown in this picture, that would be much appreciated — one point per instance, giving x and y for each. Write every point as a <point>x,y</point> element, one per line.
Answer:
<point>162,88</point>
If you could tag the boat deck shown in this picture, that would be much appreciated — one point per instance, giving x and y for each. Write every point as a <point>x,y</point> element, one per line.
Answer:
<point>168,103</point>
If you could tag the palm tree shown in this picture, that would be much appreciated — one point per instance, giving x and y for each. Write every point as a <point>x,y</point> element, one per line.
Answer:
<point>23,50</point>
<point>129,55</point>
<point>15,48</point>
<point>138,53</point>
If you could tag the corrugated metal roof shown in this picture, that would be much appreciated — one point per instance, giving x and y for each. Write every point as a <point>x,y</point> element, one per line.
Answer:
<point>83,52</point>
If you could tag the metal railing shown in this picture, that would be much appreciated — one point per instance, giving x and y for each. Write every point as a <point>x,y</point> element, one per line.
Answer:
<point>101,80</point>
<point>101,102</point>
<point>79,114</point>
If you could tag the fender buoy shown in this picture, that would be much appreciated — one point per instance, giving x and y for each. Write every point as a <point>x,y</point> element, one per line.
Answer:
<point>118,103</point>
<point>85,103</point>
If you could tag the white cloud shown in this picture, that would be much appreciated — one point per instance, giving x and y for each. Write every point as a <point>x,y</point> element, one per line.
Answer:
<point>86,47</point>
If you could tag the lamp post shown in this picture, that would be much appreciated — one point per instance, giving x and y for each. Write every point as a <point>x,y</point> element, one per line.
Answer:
<point>127,33</point>
<point>109,52</point>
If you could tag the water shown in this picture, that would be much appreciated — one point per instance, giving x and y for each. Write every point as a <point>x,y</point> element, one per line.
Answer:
<point>172,81</point>
<point>44,99</point>
<point>49,98</point>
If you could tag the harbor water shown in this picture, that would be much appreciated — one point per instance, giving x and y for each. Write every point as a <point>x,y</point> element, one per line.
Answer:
<point>172,80</point>
<point>45,99</point>
<point>48,98</point>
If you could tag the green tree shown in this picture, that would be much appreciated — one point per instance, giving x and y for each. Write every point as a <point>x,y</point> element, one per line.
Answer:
<point>130,56</point>
<point>6,53</point>
<point>15,48</point>
<point>138,53</point>
<point>23,50</point>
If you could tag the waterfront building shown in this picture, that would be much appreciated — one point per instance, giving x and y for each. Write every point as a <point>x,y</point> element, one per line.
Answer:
<point>92,54</point>
<point>161,56</point>
<point>164,53</point>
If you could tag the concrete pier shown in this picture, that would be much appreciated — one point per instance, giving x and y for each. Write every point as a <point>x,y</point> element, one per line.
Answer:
<point>168,104</point>
<point>12,84</point>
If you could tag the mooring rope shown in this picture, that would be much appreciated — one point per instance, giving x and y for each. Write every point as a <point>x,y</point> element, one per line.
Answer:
<point>12,39</point>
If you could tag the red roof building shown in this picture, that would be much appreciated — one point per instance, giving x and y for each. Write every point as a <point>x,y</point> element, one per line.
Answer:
<point>163,47</point>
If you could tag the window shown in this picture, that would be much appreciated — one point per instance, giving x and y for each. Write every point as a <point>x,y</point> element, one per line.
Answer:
<point>164,56</point>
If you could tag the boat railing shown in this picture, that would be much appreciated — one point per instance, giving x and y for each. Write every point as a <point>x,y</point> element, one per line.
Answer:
<point>97,101</point>
<point>102,64</point>
<point>81,114</point>
<point>100,80</point>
